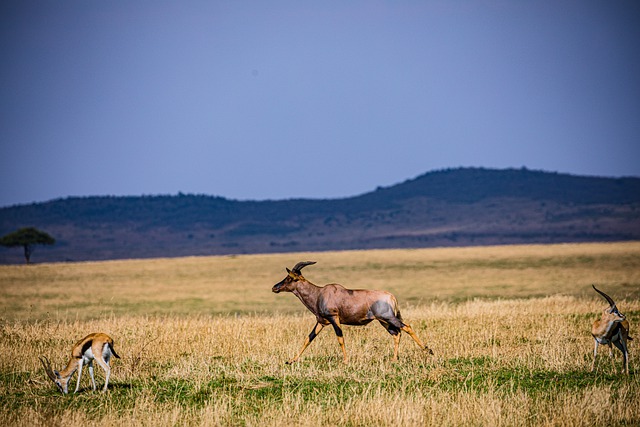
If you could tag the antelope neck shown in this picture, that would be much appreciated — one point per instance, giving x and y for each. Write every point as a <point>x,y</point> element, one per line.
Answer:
<point>307,292</point>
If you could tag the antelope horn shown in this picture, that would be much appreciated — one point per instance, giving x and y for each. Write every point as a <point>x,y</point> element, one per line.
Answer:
<point>607,297</point>
<point>47,368</point>
<point>299,266</point>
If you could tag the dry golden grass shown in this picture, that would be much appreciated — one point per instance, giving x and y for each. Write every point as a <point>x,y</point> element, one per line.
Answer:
<point>242,284</point>
<point>203,340</point>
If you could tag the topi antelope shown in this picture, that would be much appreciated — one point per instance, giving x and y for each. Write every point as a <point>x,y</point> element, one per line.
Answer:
<point>98,347</point>
<point>336,306</point>
<point>612,328</point>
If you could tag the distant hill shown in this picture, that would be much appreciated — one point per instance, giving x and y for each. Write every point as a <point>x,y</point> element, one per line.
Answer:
<point>454,207</point>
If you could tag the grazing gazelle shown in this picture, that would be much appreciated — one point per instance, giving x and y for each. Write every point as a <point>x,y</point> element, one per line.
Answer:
<point>612,328</point>
<point>333,304</point>
<point>98,347</point>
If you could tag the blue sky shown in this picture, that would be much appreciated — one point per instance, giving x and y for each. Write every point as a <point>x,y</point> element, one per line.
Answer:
<point>273,100</point>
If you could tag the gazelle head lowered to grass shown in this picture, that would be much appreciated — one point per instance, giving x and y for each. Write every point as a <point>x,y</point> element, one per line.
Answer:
<point>98,347</point>
<point>611,328</point>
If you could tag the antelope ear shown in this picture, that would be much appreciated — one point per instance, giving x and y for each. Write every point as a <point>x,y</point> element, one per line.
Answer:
<point>288,271</point>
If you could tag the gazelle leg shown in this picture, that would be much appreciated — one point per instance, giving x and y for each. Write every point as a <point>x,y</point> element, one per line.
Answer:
<point>611,357</point>
<point>408,329</point>
<point>314,332</point>
<point>107,373</point>
<point>93,381</point>
<point>622,346</point>
<point>595,354</point>
<point>79,375</point>
<point>625,354</point>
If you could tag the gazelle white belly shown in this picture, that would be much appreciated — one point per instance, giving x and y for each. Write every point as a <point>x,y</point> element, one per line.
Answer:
<point>87,356</point>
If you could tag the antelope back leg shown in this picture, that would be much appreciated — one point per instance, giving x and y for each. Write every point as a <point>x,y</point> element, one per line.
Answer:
<point>408,329</point>
<point>396,344</point>
<point>395,332</point>
<point>387,313</point>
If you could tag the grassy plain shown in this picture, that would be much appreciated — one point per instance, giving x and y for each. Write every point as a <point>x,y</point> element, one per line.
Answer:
<point>203,340</point>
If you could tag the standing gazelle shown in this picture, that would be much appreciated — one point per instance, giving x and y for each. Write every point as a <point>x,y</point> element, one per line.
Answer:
<point>333,304</point>
<point>612,328</point>
<point>98,347</point>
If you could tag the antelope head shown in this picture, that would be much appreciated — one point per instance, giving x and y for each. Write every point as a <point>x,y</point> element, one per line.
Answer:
<point>60,382</point>
<point>610,314</point>
<point>288,284</point>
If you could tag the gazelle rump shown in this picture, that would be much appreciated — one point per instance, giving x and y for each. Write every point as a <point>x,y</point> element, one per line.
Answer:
<point>336,306</point>
<point>96,346</point>
<point>611,328</point>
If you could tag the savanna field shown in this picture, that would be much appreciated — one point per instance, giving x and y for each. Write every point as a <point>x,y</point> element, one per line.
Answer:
<point>203,340</point>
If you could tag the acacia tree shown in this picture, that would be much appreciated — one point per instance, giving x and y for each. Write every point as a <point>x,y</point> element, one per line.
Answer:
<point>27,238</point>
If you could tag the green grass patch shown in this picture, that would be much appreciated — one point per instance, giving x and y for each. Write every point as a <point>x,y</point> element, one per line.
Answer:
<point>252,388</point>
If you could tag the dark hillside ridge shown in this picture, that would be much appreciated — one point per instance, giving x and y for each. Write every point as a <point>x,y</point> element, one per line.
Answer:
<point>471,185</point>
<point>455,207</point>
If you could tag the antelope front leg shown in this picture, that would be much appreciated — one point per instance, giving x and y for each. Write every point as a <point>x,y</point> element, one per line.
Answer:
<point>335,322</point>
<point>314,333</point>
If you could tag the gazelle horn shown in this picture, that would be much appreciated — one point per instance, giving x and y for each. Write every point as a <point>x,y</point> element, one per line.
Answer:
<point>47,368</point>
<point>607,297</point>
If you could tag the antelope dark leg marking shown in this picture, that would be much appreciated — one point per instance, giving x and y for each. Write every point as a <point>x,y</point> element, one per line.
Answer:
<point>314,333</point>
<point>338,330</point>
<point>336,326</point>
